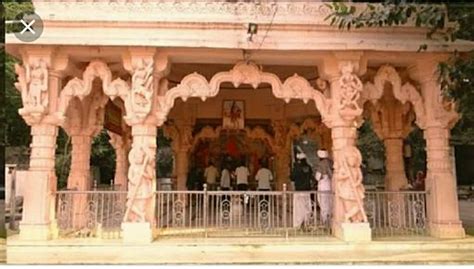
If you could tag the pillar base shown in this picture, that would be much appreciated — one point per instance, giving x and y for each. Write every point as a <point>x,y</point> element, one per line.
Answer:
<point>353,232</point>
<point>137,232</point>
<point>36,232</point>
<point>447,230</point>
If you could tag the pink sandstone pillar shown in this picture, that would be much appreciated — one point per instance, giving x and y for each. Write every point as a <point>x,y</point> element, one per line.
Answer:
<point>442,203</point>
<point>182,168</point>
<point>39,81</point>
<point>344,116</point>
<point>122,149</point>
<point>79,175</point>
<point>395,178</point>
<point>38,206</point>
<point>147,68</point>
<point>181,149</point>
<point>139,217</point>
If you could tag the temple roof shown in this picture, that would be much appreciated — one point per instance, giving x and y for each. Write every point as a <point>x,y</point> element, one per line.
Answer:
<point>218,24</point>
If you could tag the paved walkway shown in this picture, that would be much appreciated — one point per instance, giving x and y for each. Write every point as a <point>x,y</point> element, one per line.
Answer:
<point>243,251</point>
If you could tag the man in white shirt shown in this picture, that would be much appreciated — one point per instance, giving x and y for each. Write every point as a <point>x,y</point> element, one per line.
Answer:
<point>263,177</point>
<point>225,179</point>
<point>211,174</point>
<point>242,173</point>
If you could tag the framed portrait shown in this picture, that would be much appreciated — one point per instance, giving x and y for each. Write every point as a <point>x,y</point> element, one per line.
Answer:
<point>233,114</point>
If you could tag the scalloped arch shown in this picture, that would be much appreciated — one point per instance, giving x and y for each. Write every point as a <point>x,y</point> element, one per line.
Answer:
<point>373,92</point>
<point>196,85</point>
<point>81,88</point>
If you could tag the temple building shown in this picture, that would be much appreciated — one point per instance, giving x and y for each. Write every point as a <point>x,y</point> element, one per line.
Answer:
<point>229,82</point>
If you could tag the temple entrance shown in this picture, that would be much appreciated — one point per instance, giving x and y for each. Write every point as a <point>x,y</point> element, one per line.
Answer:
<point>232,147</point>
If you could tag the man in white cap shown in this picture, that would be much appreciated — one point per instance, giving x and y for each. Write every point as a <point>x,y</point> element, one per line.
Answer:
<point>323,177</point>
<point>301,176</point>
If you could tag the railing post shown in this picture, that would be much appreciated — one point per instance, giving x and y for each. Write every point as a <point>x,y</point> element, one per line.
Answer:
<point>205,210</point>
<point>285,210</point>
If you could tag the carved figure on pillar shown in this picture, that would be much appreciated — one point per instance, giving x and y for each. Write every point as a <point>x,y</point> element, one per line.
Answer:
<point>140,188</point>
<point>349,184</point>
<point>350,89</point>
<point>142,90</point>
<point>33,85</point>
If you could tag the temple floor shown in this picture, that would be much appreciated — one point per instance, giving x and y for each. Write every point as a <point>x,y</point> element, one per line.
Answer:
<point>172,250</point>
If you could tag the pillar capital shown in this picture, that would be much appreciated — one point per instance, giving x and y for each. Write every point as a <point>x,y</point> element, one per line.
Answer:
<point>341,70</point>
<point>147,68</point>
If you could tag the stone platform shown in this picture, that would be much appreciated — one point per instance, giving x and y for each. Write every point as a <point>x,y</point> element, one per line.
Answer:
<point>242,251</point>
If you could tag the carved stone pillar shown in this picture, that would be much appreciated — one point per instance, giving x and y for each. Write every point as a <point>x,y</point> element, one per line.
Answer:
<point>182,168</point>
<point>147,69</point>
<point>443,208</point>
<point>181,150</point>
<point>38,206</point>
<point>39,81</point>
<point>121,146</point>
<point>349,218</point>
<point>442,202</point>
<point>79,175</point>
<point>395,178</point>
<point>282,154</point>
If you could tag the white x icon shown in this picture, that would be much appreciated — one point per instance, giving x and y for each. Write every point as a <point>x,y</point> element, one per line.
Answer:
<point>27,26</point>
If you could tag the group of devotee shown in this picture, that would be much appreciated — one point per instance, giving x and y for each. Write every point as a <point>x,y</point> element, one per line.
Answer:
<point>305,179</point>
<point>240,176</point>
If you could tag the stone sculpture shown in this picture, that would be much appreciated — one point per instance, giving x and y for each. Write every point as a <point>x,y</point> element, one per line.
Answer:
<point>33,85</point>
<point>351,88</point>
<point>142,91</point>
<point>140,185</point>
<point>349,184</point>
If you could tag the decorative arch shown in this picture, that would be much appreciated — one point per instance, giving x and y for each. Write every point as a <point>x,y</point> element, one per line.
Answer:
<point>86,117</point>
<point>196,85</point>
<point>82,88</point>
<point>373,92</point>
<point>258,133</point>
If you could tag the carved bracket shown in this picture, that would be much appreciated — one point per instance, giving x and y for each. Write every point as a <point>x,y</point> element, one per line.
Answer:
<point>373,92</point>
<point>82,88</point>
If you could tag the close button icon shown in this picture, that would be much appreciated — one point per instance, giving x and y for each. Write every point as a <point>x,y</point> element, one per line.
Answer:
<point>32,26</point>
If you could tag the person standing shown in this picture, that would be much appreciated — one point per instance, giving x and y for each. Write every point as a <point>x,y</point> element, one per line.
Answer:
<point>242,173</point>
<point>210,174</point>
<point>264,177</point>
<point>225,178</point>
<point>301,176</point>
<point>323,177</point>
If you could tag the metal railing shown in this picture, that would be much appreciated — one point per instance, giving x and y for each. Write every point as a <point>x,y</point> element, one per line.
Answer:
<point>396,213</point>
<point>238,213</point>
<point>90,213</point>
<point>243,213</point>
